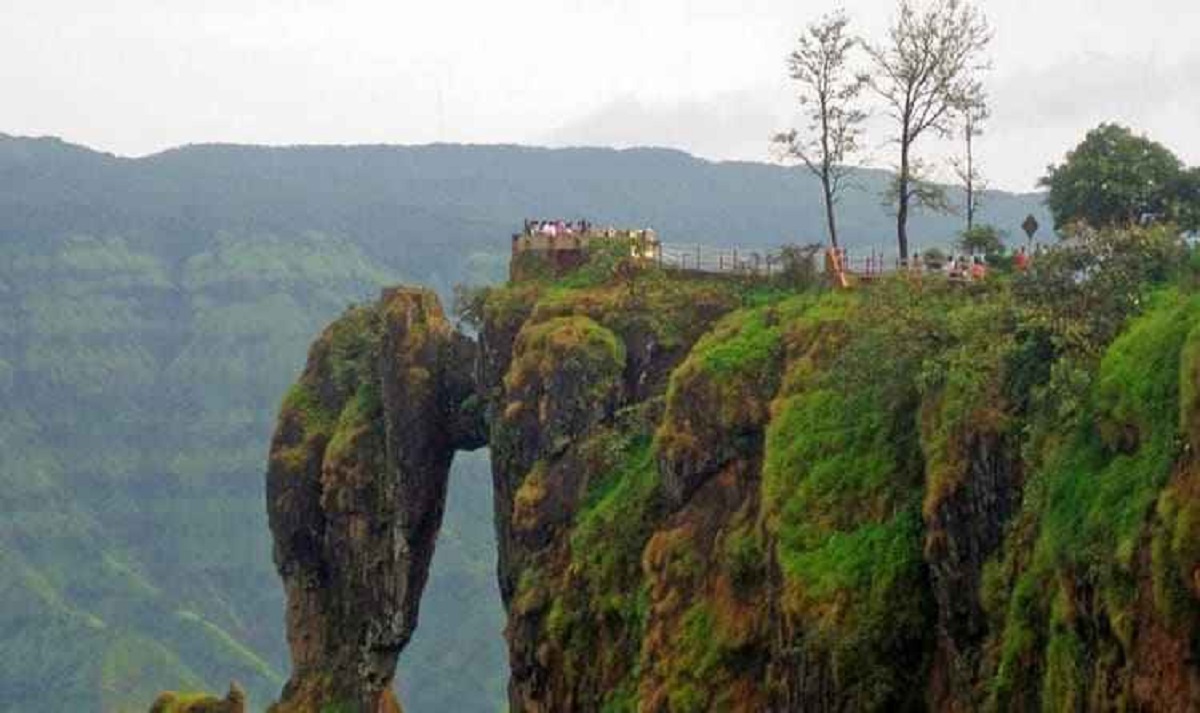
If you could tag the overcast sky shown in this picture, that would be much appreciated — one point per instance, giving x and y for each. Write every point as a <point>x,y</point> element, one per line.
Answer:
<point>706,76</point>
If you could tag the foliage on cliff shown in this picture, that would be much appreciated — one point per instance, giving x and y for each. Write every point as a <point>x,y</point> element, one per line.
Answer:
<point>916,494</point>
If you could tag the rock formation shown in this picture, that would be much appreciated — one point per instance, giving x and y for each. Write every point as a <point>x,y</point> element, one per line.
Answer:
<point>234,702</point>
<point>714,497</point>
<point>356,489</point>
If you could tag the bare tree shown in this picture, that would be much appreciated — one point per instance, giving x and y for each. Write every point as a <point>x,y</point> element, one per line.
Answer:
<point>970,177</point>
<point>925,73</point>
<point>829,94</point>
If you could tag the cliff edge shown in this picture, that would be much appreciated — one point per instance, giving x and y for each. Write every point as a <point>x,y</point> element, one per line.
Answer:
<point>724,494</point>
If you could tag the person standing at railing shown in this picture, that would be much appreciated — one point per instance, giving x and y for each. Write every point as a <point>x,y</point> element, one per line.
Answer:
<point>1021,260</point>
<point>978,270</point>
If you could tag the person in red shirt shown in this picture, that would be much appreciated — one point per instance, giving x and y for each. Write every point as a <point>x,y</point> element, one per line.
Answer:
<point>978,270</point>
<point>1021,260</point>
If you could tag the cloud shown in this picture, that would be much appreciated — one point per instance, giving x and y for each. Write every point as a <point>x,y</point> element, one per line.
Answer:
<point>1040,114</point>
<point>729,125</point>
<point>1094,84</point>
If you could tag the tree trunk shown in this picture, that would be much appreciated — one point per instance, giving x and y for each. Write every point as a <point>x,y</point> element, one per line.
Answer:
<point>970,177</point>
<point>829,216</point>
<point>902,201</point>
<point>827,169</point>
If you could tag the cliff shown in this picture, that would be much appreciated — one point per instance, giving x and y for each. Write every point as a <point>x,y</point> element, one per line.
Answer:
<point>717,495</point>
<point>356,489</point>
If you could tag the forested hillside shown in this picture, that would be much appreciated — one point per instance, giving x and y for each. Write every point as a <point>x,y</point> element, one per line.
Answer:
<point>152,313</point>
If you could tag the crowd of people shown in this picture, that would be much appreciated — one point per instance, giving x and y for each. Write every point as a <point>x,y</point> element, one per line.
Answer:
<point>554,228</point>
<point>569,228</point>
<point>956,267</point>
<point>970,268</point>
<point>959,268</point>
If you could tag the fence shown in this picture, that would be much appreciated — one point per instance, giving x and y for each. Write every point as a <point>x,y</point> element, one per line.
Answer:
<point>729,261</point>
<point>702,258</point>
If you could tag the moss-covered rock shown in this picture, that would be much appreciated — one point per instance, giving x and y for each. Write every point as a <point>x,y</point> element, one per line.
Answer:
<point>234,702</point>
<point>356,489</point>
<point>715,496</point>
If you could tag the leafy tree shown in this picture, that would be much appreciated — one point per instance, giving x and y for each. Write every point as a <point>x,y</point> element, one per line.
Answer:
<point>798,266</point>
<point>829,93</point>
<point>469,304</point>
<point>981,239</point>
<point>1114,178</point>
<point>1188,194</point>
<point>926,72</point>
<point>934,257</point>
<point>1083,290</point>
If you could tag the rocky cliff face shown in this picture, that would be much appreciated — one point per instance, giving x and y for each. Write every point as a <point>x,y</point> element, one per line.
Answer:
<point>356,490</point>
<point>723,496</point>
<point>839,502</point>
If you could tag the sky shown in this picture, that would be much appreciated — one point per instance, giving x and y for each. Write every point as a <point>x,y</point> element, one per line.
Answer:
<point>138,76</point>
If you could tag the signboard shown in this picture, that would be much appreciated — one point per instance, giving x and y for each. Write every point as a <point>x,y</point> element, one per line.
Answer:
<point>1030,226</point>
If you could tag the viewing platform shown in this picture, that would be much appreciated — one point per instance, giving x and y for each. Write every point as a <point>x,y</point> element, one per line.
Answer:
<point>556,247</point>
<point>562,246</point>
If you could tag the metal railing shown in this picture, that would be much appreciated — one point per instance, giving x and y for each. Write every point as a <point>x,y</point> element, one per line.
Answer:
<point>727,261</point>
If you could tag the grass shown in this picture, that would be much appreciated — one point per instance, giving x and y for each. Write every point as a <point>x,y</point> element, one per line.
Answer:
<point>597,621</point>
<point>841,492</point>
<point>543,347</point>
<point>699,652</point>
<point>612,528</point>
<point>1091,504</point>
<point>718,398</point>
<point>1103,484</point>
<point>361,413</point>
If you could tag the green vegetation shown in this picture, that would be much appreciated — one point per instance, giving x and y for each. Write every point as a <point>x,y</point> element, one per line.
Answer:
<point>605,598</point>
<point>543,348</point>
<point>1116,178</point>
<point>718,399</point>
<point>610,531</point>
<point>981,240</point>
<point>841,489</point>
<point>699,651</point>
<point>142,381</point>
<point>1090,504</point>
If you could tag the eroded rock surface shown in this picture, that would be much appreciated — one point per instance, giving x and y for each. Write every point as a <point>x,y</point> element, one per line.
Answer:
<point>356,490</point>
